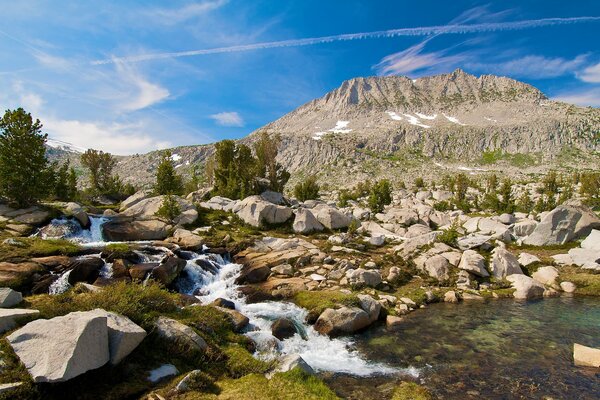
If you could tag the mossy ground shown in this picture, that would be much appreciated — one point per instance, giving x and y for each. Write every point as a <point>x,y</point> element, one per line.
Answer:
<point>411,391</point>
<point>36,247</point>
<point>318,301</point>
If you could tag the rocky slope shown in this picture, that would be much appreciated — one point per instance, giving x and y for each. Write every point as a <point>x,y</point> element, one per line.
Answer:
<point>387,126</point>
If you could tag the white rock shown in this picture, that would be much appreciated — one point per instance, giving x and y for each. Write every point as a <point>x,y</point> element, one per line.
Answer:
<point>592,242</point>
<point>305,222</point>
<point>9,297</point>
<point>331,217</point>
<point>162,372</point>
<point>175,331</point>
<point>526,259</point>
<point>526,287</point>
<point>473,262</point>
<point>546,275</point>
<point>586,356</point>
<point>123,335</point>
<point>504,263</point>
<point>568,287</point>
<point>9,316</point>
<point>257,212</point>
<point>563,224</point>
<point>291,361</point>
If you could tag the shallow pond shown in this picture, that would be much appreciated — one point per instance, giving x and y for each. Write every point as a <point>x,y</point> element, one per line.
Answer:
<point>502,349</point>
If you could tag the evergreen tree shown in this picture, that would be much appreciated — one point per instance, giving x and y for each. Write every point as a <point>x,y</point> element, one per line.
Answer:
<point>62,190</point>
<point>24,172</point>
<point>266,149</point>
<point>167,180</point>
<point>72,184</point>
<point>101,166</point>
<point>234,170</point>
<point>307,189</point>
<point>381,195</point>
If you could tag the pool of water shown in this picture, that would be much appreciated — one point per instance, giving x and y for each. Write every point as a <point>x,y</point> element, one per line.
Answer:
<point>502,349</point>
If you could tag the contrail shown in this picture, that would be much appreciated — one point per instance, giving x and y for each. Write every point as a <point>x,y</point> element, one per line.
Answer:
<point>420,31</point>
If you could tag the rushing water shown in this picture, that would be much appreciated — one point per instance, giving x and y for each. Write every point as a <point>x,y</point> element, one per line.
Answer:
<point>70,229</point>
<point>503,349</point>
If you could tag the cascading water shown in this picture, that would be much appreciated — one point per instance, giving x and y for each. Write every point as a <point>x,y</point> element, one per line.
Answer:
<point>70,229</point>
<point>215,278</point>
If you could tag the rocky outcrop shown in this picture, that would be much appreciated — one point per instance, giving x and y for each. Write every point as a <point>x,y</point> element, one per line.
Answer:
<point>331,217</point>
<point>305,222</point>
<point>146,209</point>
<point>504,263</point>
<point>563,224</point>
<point>255,211</point>
<point>473,262</point>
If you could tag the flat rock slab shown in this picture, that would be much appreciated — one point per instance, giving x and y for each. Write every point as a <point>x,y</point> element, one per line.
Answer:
<point>9,317</point>
<point>9,297</point>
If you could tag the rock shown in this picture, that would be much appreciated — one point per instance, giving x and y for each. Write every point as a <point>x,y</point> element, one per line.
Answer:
<point>8,387</point>
<point>179,333</point>
<point>563,224</point>
<point>473,262</point>
<point>331,217</point>
<point>284,269</point>
<point>438,267</point>
<point>273,197</point>
<point>85,269</point>
<point>394,274</point>
<point>524,228</point>
<point>169,269</point>
<point>585,257</point>
<point>253,274</point>
<point>473,241</point>
<point>465,280</point>
<point>31,216</point>
<point>224,303</point>
<point>291,361</point>
<point>186,240</point>
<point>123,335</point>
<point>470,296</point>
<point>237,319</point>
<point>193,380</point>
<point>377,240</point>
<point>199,195</point>
<point>139,272</point>
<point>413,244</point>
<point>257,212</point>
<point>363,277</point>
<point>305,222</point>
<point>10,316</point>
<point>146,209</point>
<point>162,372</point>
<point>218,203</point>
<point>18,275</point>
<point>9,297</point>
<point>592,242</point>
<point>62,348</point>
<point>135,199</point>
<point>451,297</point>
<point>526,287</point>
<point>526,259</point>
<point>584,356</point>
<point>77,212</point>
<point>504,263</point>
<point>345,320</point>
<point>283,328</point>
<point>370,306</point>
<point>393,322</point>
<point>129,231</point>
<point>506,219</point>
<point>546,275</point>
<point>568,287</point>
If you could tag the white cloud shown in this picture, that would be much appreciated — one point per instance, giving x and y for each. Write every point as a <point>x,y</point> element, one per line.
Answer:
<point>532,66</point>
<point>189,11</point>
<point>228,119</point>
<point>584,98</point>
<point>590,74</point>
<point>140,93</point>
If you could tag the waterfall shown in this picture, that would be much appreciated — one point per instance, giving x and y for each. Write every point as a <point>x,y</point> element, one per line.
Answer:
<point>215,278</point>
<point>70,229</point>
<point>93,235</point>
<point>60,285</point>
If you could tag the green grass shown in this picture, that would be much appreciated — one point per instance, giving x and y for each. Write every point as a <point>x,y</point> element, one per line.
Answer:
<point>519,160</point>
<point>411,391</point>
<point>241,363</point>
<point>37,247</point>
<point>317,301</point>
<point>587,284</point>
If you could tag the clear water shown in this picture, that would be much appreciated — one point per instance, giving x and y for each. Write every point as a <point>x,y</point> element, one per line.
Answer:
<point>503,349</point>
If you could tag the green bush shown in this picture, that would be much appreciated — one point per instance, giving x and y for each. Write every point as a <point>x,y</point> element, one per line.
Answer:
<point>450,235</point>
<point>307,189</point>
<point>380,196</point>
<point>169,208</point>
<point>411,391</point>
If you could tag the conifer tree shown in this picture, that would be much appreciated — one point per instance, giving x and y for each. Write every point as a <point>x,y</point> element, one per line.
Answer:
<point>167,180</point>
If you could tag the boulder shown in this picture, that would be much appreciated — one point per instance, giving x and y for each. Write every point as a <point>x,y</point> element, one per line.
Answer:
<point>237,319</point>
<point>9,297</point>
<point>162,372</point>
<point>224,303</point>
<point>10,316</point>
<point>219,203</point>
<point>180,334</point>
<point>186,240</point>
<point>526,287</point>
<point>253,274</point>
<point>123,335</point>
<point>146,209</point>
<point>585,257</point>
<point>257,212</point>
<point>85,269</point>
<point>283,328</point>
<point>451,297</point>
<point>568,287</point>
<point>135,199</point>
<point>168,270</point>
<point>504,263</point>
<point>62,348</point>
<point>563,224</point>
<point>129,231</point>
<point>592,242</point>
<point>586,356</point>
<point>291,361</point>
<point>331,217</point>
<point>76,211</point>
<point>199,195</point>
<point>18,275</point>
<point>524,228</point>
<point>393,322</point>
<point>370,306</point>
<point>342,321</point>
<point>30,216</point>
<point>273,197</point>
<point>438,267</point>
<point>363,277</point>
<point>526,259</point>
<point>506,219</point>
<point>305,222</point>
<point>473,262</point>
<point>546,276</point>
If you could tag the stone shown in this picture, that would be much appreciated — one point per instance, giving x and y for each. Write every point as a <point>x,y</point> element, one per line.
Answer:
<point>504,263</point>
<point>305,222</point>
<point>363,277</point>
<point>465,280</point>
<point>9,297</point>
<point>123,335</point>
<point>413,244</point>
<point>291,361</point>
<point>341,321</point>
<point>473,241</point>
<point>199,195</point>
<point>259,213</point>
<point>237,319</point>
<point>526,259</point>
<point>451,297</point>
<point>473,262</point>
<point>32,216</point>
<point>546,276</point>
<point>526,287</point>
<point>134,199</point>
<point>377,240</point>
<point>85,269</point>
<point>169,269</point>
<point>506,219</point>
<point>437,267</point>
<point>77,212</point>
<point>146,210</point>
<point>283,328</point>
<point>10,316</point>
<point>453,257</point>
<point>224,303</point>
<point>568,287</point>
<point>130,231</point>
<point>331,217</point>
<point>393,322</point>
<point>524,228</point>
<point>370,306</point>
<point>186,240</point>
<point>61,348</point>
<point>218,203</point>
<point>584,356</point>
<point>162,372</point>
<point>592,242</point>
<point>563,224</point>
<point>18,275</point>
<point>283,269</point>
<point>273,197</point>
<point>179,333</point>
<point>471,296</point>
<point>584,257</point>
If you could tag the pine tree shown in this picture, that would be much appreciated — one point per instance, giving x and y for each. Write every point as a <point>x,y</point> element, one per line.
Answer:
<point>381,195</point>
<point>266,149</point>
<point>167,180</point>
<point>61,184</point>
<point>24,168</point>
<point>72,184</point>
<point>101,166</point>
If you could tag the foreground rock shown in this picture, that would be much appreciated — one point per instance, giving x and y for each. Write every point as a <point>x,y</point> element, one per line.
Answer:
<point>586,356</point>
<point>9,297</point>
<point>122,230</point>
<point>123,335</point>
<point>525,287</point>
<point>256,211</point>
<point>180,334</point>
<point>10,316</point>
<point>563,224</point>
<point>347,320</point>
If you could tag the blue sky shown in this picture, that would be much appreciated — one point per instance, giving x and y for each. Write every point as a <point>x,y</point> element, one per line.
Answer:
<point>131,76</point>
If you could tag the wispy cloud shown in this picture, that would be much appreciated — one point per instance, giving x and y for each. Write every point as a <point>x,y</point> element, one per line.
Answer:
<point>532,66</point>
<point>230,118</point>
<point>142,93</point>
<point>590,74</point>
<point>170,16</point>
<point>589,97</point>
<point>419,31</point>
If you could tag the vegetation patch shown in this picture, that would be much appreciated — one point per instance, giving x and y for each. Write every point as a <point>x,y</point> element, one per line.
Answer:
<point>317,301</point>
<point>412,391</point>
<point>588,284</point>
<point>37,247</point>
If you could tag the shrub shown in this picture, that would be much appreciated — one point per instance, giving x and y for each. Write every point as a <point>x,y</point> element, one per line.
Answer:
<point>381,195</point>
<point>307,189</point>
<point>169,208</point>
<point>411,391</point>
<point>419,183</point>
<point>450,235</point>
<point>442,206</point>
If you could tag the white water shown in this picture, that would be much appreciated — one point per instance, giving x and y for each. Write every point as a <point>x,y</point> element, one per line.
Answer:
<point>60,285</point>
<point>319,351</point>
<point>77,234</point>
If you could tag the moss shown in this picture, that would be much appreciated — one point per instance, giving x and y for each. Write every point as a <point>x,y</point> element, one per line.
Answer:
<point>506,292</point>
<point>37,247</point>
<point>316,302</point>
<point>241,363</point>
<point>588,284</point>
<point>412,391</point>
<point>413,291</point>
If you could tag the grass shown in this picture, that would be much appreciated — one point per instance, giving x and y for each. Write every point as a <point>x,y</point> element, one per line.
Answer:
<point>587,284</point>
<point>241,363</point>
<point>413,291</point>
<point>316,302</point>
<point>37,247</point>
<point>519,160</point>
<point>412,391</point>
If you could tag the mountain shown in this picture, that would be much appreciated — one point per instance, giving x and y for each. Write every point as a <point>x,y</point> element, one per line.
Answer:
<point>397,127</point>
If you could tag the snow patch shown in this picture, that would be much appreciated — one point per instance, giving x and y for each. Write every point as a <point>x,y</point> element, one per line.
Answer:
<point>175,157</point>
<point>394,116</point>
<point>415,121</point>
<point>454,120</point>
<point>425,116</point>
<point>59,144</point>
<point>340,127</point>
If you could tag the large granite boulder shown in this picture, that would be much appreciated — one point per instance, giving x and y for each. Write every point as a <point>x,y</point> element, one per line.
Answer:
<point>504,263</point>
<point>10,316</point>
<point>563,224</point>
<point>305,222</point>
<point>123,335</point>
<point>135,199</point>
<point>473,262</point>
<point>85,269</point>
<point>255,211</point>
<point>219,203</point>
<point>146,210</point>
<point>331,217</point>
<point>187,240</point>
<point>19,275</point>
<point>342,321</point>
<point>525,287</point>
<point>437,267</point>
<point>363,277</point>
<point>120,230</point>
<point>592,242</point>
<point>546,275</point>
<point>76,211</point>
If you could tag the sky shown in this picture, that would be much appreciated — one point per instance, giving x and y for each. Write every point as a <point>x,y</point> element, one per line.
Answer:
<point>131,76</point>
